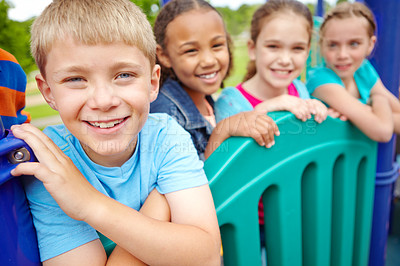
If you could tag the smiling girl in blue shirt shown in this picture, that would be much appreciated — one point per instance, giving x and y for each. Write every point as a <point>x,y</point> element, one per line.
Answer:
<point>348,82</point>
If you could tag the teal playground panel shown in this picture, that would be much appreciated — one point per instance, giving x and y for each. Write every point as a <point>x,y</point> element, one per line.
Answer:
<point>317,185</point>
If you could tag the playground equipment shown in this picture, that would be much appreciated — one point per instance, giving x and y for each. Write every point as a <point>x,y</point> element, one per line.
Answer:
<point>18,237</point>
<point>317,186</point>
<point>311,215</point>
<point>386,60</point>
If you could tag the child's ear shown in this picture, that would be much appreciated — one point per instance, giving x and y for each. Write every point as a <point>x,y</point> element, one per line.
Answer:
<point>372,42</point>
<point>162,57</point>
<point>155,82</point>
<point>46,91</point>
<point>251,49</point>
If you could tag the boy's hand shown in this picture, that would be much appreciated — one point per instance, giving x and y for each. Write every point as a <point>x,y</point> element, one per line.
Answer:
<point>61,178</point>
<point>318,109</point>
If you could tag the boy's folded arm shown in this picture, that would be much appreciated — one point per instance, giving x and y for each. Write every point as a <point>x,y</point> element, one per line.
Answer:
<point>91,253</point>
<point>155,206</point>
<point>375,121</point>
<point>192,238</point>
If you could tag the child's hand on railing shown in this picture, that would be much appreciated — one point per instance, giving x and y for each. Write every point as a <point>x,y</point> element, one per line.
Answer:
<point>293,104</point>
<point>254,124</point>
<point>75,195</point>
<point>335,114</point>
<point>318,109</point>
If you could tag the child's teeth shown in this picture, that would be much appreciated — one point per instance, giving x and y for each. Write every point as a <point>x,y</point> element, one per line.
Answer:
<point>209,76</point>
<point>282,71</point>
<point>106,124</point>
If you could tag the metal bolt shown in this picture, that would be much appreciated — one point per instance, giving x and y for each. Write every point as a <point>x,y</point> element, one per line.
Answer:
<point>19,155</point>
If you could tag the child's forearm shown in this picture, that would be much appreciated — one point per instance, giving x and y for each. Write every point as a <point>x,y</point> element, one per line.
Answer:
<point>375,121</point>
<point>280,103</point>
<point>219,135</point>
<point>254,124</point>
<point>192,237</point>
<point>152,241</point>
<point>155,206</point>
<point>120,256</point>
<point>293,104</point>
<point>396,122</point>
<point>382,110</point>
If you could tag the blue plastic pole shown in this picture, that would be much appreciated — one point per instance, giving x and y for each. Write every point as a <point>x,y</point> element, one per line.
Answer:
<point>163,2</point>
<point>386,60</point>
<point>319,11</point>
<point>18,242</point>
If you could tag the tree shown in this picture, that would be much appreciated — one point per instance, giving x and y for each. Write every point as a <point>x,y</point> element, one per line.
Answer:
<point>237,21</point>
<point>149,7</point>
<point>14,38</point>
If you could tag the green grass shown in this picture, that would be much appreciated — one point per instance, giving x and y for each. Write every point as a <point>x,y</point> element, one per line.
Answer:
<point>40,111</point>
<point>240,59</point>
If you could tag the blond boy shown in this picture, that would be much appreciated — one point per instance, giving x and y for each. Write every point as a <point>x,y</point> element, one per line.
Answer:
<point>97,69</point>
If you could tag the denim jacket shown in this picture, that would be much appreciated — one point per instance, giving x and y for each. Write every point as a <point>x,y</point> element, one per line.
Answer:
<point>175,101</point>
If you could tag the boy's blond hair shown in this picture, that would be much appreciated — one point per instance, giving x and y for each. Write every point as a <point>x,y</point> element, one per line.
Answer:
<point>91,22</point>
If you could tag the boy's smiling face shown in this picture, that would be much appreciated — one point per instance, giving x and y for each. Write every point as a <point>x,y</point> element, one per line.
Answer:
<point>103,93</point>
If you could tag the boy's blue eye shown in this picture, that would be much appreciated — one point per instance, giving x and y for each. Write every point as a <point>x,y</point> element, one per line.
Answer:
<point>74,79</point>
<point>124,75</point>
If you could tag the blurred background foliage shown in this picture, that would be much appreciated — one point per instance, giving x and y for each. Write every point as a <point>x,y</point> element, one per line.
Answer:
<point>14,35</point>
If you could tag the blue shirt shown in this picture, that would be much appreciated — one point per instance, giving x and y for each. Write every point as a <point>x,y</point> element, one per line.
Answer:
<point>164,159</point>
<point>175,101</point>
<point>365,78</point>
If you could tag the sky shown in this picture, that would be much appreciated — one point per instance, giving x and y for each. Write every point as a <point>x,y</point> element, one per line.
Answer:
<point>25,9</point>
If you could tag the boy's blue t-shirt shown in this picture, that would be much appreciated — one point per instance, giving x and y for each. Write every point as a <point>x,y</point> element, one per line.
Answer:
<point>365,78</point>
<point>165,159</point>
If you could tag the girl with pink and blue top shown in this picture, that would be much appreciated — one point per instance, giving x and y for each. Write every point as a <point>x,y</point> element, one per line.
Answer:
<point>278,50</point>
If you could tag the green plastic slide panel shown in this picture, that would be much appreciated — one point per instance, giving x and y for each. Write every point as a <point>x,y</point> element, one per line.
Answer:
<point>317,186</point>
